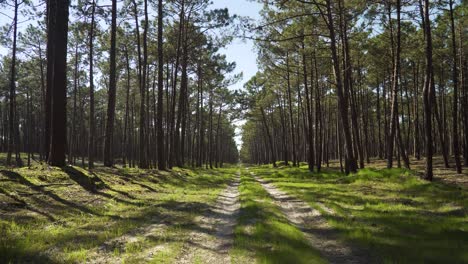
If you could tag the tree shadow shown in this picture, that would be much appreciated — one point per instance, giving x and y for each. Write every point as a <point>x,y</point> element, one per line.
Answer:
<point>19,256</point>
<point>19,178</point>
<point>391,212</point>
<point>132,179</point>
<point>95,185</point>
<point>26,206</point>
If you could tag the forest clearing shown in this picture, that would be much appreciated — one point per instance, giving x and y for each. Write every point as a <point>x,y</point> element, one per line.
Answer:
<point>222,131</point>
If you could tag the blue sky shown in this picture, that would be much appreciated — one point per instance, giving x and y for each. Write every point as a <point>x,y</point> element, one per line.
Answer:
<point>240,51</point>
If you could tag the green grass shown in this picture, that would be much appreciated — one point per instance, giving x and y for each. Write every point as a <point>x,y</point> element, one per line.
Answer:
<point>64,215</point>
<point>263,232</point>
<point>392,213</point>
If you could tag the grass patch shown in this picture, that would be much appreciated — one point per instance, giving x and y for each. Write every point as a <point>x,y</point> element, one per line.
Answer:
<point>394,214</point>
<point>66,215</point>
<point>264,233</point>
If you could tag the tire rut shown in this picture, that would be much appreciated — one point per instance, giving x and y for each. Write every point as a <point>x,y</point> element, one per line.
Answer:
<point>315,228</point>
<point>213,236</point>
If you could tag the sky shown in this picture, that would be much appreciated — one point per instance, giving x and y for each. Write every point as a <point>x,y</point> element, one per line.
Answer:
<point>241,51</point>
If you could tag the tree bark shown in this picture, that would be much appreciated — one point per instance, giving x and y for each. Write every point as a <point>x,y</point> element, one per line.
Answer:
<point>270,139</point>
<point>58,129</point>
<point>428,89</point>
<point>13,138</point>
<point>394,117</point>
<point>71,145</point>
<point>351,165</point>
<point>348,85</point>
<point>126,145</point>
<point>456,150</point>
<point>92,126</point>
<point>291,118</point>
<point>310,133</point>
<point>108,154</point>
<point>143,155</point>
<point>160,132</point>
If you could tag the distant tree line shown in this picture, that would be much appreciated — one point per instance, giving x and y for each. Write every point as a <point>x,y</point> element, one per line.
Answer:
<point>135,82</point>
<point>356,80</point>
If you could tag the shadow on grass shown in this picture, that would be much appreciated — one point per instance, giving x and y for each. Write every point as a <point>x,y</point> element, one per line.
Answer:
<point>178,215</point>
<point>95,185</point>
<point>22,180</point>
<point>179,177</point>
<point>74,231</point>
<point>24,204</point>
<point>23,255</point>
<point>134,179</point>
<point>402,218</point>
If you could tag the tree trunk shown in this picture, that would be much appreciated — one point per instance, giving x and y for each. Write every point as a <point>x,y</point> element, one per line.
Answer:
<point>379,123</point>
<point>417,150</point>
<point>202,120</point>
<point>270,139</point>
<point>58,129</point>
<point>318,117</point>
<point>291,118</point>
<point>179,139</point>
<point>160,132</point>
<point>210,132</point>
<point>172,133</point>
<point>143,157</point>
<point>456,150</point>
<point>342,100</point>
<point>126,145</point>
<point>284,145</point>
<point>394,117</point>
<point>428,90</point>
<point>108,154</point>
<point>51,17</point>
<point>348,85</point>
<point>12,120</point>
<point>92,126</point>
<point>310,133</point>
<point>71,145</point>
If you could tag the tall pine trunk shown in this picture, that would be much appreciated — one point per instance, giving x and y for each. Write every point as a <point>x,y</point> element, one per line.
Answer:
<point>456,149</point>
<point>351,165</point>
<point>13,137</point>
<point>92,126</point>
<point>108,155</point>
<point>58,139</point>
<point>160,132</point>
<point>428,89</point>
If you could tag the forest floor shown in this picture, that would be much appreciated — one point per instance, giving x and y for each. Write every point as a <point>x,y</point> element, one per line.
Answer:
<point>69,215</point>
<point>392,214</point>
<point>441,174</point>
<point>230,215</point>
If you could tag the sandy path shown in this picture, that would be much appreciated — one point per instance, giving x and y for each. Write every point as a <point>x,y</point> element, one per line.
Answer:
<point>314,226</point>
<point>213,236</point>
